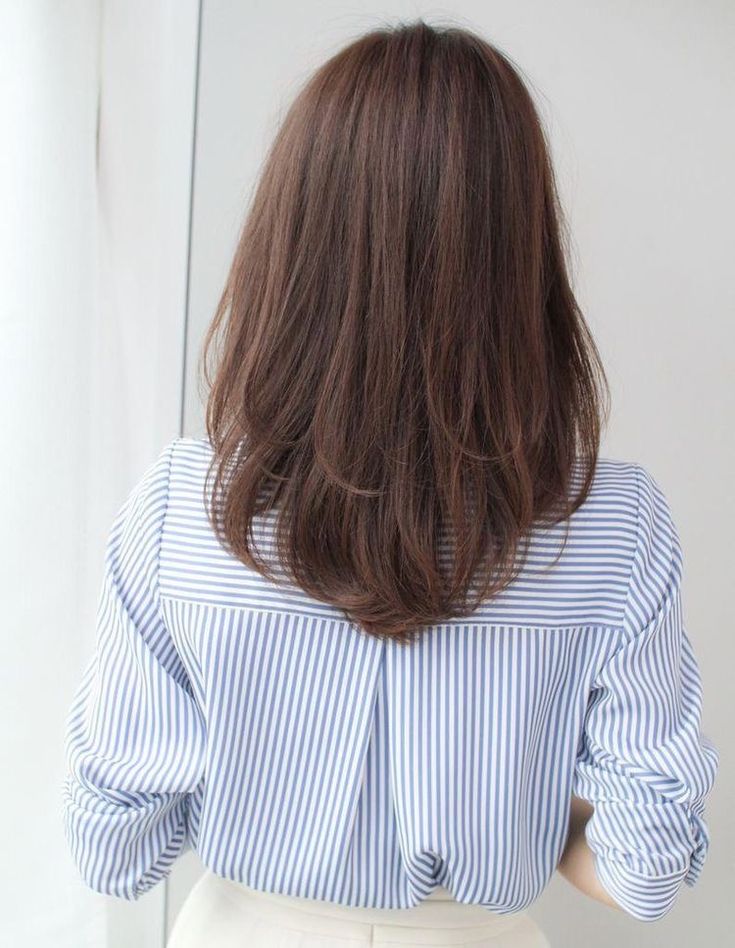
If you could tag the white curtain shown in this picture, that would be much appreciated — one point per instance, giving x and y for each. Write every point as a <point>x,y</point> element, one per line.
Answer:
<point>94,238</point>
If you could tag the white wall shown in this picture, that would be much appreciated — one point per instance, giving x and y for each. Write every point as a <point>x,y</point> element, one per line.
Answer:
<point>635,95</point>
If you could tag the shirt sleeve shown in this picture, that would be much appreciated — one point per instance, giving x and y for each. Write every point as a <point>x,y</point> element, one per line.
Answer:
<point>644,763</point>
<point>134,735</point>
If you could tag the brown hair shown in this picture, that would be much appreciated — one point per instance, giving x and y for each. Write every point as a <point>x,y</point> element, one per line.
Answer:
<point>403,359</point>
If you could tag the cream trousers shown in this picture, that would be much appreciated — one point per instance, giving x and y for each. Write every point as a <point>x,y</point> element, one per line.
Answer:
<point>219,913</point>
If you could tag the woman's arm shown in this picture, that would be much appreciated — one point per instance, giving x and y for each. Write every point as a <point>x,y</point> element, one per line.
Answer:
<point>643,762</point>
<point>577,863</point>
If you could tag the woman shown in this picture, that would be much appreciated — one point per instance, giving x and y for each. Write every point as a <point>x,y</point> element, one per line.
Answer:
<point>394,643</point>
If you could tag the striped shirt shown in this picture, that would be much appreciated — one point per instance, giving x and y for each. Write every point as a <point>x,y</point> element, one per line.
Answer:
<point>261,728</point>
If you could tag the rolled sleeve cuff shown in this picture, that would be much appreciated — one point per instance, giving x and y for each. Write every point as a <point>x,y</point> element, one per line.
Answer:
<point>643,896</point>
<point>646,892</point>
<point>123,850</point>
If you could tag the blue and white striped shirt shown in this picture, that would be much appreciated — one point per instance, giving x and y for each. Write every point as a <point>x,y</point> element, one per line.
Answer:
<point>296,754</point>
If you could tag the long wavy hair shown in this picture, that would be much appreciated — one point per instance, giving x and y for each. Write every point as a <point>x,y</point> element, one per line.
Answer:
<point>403,376</point>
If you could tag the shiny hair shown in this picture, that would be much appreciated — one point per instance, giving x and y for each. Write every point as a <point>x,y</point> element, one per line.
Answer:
<point>401,359</point>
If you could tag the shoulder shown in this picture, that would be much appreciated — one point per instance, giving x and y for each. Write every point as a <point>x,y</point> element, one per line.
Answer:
<point>656,559</point>
<point>626,527</point>
<point>609,512</point>
<point>630,487</point>
<point>189,451</point>
<point>150,495</point>
<point>176,454</point>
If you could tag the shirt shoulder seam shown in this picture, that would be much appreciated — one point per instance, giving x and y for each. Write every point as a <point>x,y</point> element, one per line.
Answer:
<point>638,534</point>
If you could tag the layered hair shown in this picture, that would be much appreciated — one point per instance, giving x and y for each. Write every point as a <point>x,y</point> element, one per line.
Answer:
<point>399,373</point>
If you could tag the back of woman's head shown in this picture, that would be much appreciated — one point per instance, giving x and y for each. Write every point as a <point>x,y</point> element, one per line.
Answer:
<point>401,361</point>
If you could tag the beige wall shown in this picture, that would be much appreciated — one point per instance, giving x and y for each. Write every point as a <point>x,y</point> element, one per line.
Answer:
<point>635,97</point>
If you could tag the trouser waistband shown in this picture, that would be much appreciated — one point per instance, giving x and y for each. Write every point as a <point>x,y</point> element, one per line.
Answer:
<point>439,910</point>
